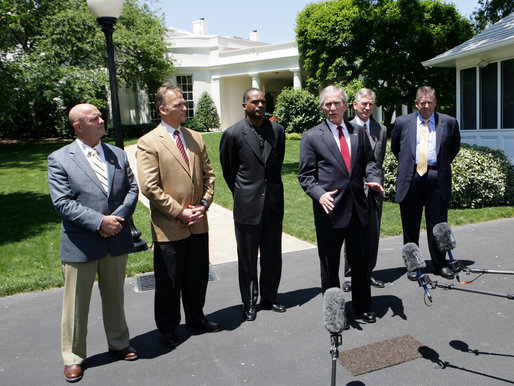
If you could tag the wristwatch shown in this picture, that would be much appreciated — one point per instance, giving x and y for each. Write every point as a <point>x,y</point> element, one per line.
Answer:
<point>205,204</point>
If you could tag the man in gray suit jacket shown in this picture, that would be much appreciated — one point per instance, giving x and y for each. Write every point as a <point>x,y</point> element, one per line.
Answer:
<point>95,193</point>
<point>363,105</point>
<point>251,155</point>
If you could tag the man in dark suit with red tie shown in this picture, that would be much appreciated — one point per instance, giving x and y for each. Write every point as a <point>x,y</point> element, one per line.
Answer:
<point>425,144</point>
<point>335,157</point>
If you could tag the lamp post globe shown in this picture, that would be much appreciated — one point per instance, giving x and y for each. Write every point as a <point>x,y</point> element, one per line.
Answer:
<point>107,13</point>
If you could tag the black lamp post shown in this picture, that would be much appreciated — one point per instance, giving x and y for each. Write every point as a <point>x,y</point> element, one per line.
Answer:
<point>107,13</point>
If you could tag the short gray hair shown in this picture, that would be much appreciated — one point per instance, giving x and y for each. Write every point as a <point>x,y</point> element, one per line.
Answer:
<point>425,91</point>
<point>332,88</point>
<point>365,92</point>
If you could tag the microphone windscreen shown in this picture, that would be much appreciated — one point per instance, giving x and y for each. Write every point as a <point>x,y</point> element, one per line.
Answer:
<point>444,237</point>
<point>412,257</point>
<point>333,310</point>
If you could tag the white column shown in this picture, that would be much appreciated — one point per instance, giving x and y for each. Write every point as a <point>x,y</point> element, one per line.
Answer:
<point>297,78</point>
<point>256,80</point>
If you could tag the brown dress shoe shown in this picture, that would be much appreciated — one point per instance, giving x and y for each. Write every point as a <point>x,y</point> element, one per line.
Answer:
<point>73,373</point>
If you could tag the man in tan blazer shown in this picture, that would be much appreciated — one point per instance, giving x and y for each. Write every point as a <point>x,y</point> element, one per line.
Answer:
<point>175,174</point>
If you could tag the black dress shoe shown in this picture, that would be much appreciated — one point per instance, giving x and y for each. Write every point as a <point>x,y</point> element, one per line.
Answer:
<point>412,275</point>
<point>347,286</point>
<point>368,317</point>
<point>129,353</point>
<point>346,325</point>
<point>169,339</point>
<point>249,313</point>
<point>377,283</point>
<point>446,272</point>
<point>272,305</point>
<point>206,325</point>
<point>73,373</point>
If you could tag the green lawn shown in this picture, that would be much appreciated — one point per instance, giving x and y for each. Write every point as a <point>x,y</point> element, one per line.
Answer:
<point>29,240</point>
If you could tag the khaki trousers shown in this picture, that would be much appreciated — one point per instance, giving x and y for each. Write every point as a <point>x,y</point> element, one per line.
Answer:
<point>78,284</point>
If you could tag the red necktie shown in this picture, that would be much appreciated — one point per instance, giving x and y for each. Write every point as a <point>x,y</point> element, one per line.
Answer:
<point>345,152</point>
<point>180,146</point>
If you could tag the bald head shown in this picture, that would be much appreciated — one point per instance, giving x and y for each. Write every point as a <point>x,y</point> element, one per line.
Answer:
<point>87,121</point>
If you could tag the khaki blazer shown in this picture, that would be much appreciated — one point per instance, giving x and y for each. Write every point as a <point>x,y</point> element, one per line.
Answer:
<point>168,183</point>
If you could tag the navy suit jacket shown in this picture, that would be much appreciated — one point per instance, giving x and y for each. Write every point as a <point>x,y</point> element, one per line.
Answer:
<point>250,174</point>
<point>81,201</point>
<point>403,146</point>
<point>322,169</point>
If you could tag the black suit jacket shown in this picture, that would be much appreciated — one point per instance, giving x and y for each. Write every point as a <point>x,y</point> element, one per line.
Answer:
<point>403,146</point>
<point>322,169</point>
<point>251,175</point>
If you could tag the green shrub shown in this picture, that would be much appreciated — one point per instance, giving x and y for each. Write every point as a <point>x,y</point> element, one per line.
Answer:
<point>194,124</point>
<point>206,113</point>
<point>294,136</point>
<point>297,110</point>
<point>481,177</point>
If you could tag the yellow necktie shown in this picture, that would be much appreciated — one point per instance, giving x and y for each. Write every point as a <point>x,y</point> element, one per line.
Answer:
<point>423,149</point>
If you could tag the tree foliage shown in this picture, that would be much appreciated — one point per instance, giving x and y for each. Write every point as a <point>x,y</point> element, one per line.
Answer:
<point>206,112</point>
<point>382,43</point>
<point>491,11</point>
<point>297,110</point>
<point>53,56</point>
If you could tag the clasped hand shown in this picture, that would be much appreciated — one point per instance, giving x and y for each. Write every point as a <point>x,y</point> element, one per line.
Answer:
<point>110,226</point>
<point>191,215</point>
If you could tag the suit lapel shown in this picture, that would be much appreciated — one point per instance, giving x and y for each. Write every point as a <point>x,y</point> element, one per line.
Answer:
<point>190,154</point>
<point>110,160</point>
<point>374,131</point>
<point>354,143</point>
<point>328,138</point>
<point>251,139</point>
<point>171,146</point>
<point>438,133</point>
<point>77,155</point>
<point>413,123</point>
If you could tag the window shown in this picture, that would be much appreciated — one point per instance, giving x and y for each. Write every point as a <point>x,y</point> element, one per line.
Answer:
<point>507,94</point>
<point>185,82</point>
<point>154,116</point>
<point>468,99</point>
<point>489,97</point>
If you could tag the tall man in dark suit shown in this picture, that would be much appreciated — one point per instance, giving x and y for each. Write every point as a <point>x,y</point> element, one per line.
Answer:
<point>95,193</point>
<point>176,176</point>
<point>335,158</point>
<point>425,144</point>
<point>251,154</point>
<point>363,105</point>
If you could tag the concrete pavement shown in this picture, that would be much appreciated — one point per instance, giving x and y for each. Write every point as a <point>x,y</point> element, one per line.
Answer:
<point>471,334</point>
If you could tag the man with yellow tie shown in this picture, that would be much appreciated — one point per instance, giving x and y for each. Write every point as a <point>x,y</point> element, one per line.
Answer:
<point>425,144</point>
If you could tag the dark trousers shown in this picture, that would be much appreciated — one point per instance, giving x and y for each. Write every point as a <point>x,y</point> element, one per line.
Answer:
<point>373,234</point>
<point>330,242</point>
<point>424,192</point>
<point>181,268</point>
<point>265,237</point>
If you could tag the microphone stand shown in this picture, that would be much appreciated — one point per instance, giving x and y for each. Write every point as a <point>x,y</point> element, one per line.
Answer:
<point>468,270</point>
<point>435,284</point>
<point>335,341</point>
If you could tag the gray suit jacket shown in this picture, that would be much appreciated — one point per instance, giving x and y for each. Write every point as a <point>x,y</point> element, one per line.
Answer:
<point>81,201</point>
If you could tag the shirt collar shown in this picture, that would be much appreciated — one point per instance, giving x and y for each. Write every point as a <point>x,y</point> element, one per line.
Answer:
<point>171,129</point>
<point>86,149</point>
<point>431,119</point>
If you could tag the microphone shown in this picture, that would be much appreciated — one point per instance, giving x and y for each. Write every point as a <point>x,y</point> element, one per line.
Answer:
<point>413,261</point>
<point>446,242</point>
<point>334,315</point>
<point>334,318</point>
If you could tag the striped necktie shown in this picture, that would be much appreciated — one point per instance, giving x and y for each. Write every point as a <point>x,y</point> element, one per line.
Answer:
<point>180,146</point>
<point>99,167</point>
<point>423,150</point>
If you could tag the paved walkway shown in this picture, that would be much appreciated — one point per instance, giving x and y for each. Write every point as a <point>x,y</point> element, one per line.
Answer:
<point>222,242</point>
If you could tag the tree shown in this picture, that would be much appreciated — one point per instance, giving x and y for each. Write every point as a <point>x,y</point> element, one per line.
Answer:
<point>491,11</point>
<point>206,112</point>
<point>382,43</point>
<point>53,55</point>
